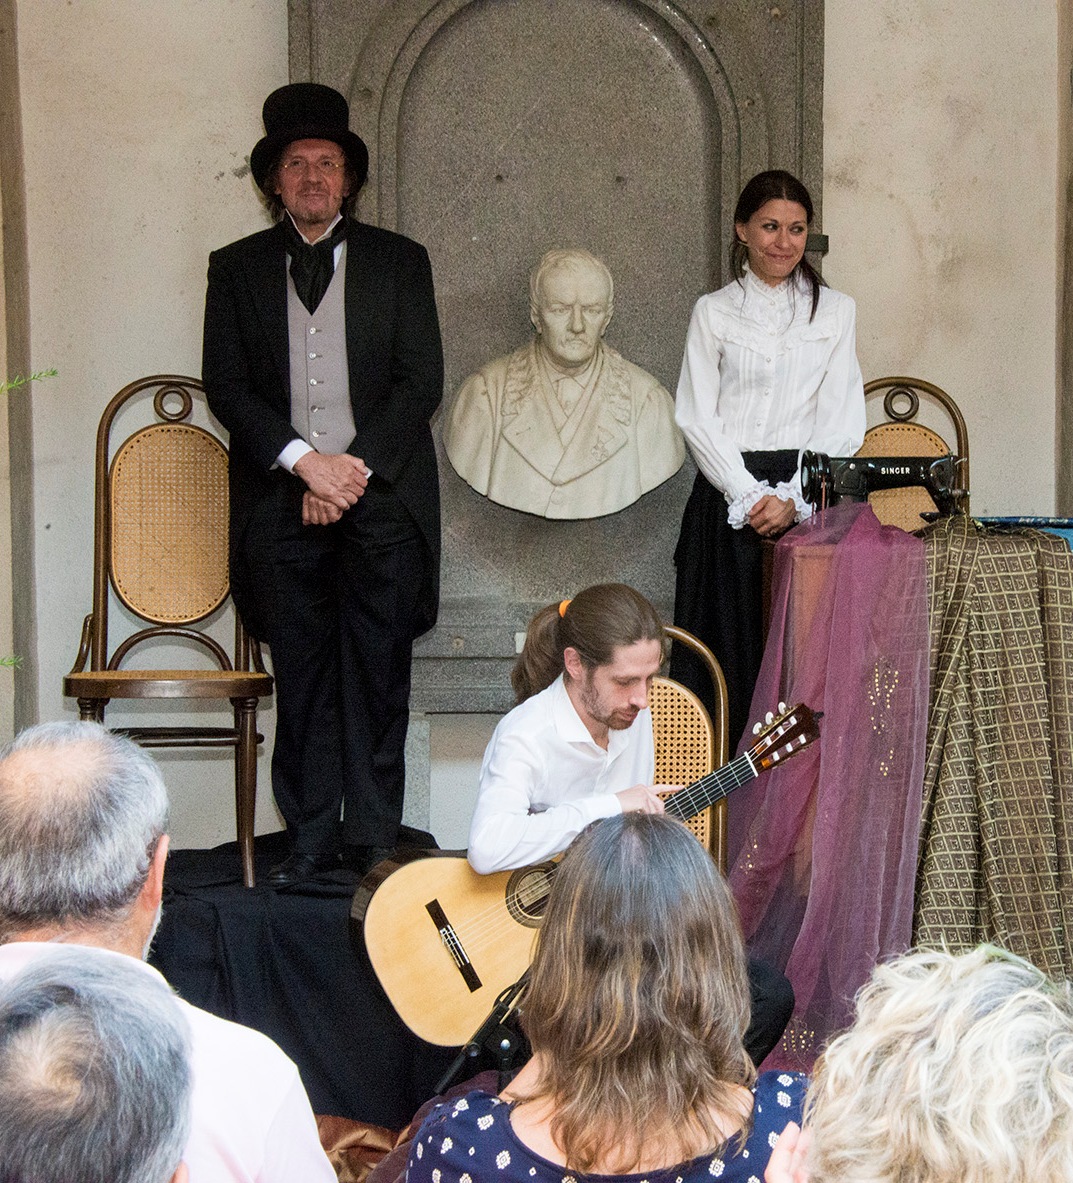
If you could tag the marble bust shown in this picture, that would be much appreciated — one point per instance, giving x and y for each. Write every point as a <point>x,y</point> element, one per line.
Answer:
<point>564,427</point>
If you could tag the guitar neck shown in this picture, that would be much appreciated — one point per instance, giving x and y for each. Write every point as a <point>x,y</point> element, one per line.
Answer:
<point>688,802</point>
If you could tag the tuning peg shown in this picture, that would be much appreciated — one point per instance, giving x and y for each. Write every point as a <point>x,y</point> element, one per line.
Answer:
<point>782,707</point>
<point>756,728</point>
<point>769,718</point>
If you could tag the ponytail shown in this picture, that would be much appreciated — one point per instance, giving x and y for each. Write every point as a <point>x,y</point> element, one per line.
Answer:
<point>596,622</point>
<point>541,659</point>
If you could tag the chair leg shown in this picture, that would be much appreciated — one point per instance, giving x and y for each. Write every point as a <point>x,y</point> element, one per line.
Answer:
<point>91,710</point>
<point>246,781</point>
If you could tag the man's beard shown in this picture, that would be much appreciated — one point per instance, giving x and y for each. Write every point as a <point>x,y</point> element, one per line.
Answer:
<point>621,720</point>
<point>615,721</point>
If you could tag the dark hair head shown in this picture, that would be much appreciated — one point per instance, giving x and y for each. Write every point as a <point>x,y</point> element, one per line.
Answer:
<point>638,998</point>
<point>306,110</point>
<point>596,622</point>
<point>774,185</point>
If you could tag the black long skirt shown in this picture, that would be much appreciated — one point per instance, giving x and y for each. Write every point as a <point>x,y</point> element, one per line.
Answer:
<point>719,590</point>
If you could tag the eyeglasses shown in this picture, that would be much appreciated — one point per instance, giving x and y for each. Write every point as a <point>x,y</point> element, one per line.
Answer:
<point>328,165</point>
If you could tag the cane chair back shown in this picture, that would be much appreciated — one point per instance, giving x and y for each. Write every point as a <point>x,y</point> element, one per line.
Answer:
<point>901,435</point>
<point>168,506</point>
<point>688,744</point>
<point>161,545</point>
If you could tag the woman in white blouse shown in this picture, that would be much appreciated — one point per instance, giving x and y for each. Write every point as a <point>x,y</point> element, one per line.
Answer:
<point>770,368</point>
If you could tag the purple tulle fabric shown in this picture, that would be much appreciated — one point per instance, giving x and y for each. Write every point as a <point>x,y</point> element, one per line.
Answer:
<point>824,849</point>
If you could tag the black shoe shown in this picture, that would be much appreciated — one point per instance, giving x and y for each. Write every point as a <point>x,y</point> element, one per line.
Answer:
<point>362,859</point>
<point>296,868</point>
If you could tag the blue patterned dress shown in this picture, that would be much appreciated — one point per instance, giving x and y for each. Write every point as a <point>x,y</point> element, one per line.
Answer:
<point>471,1141</point>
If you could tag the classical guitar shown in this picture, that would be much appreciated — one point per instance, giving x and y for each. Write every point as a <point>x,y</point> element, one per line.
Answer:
<point>444,941</point>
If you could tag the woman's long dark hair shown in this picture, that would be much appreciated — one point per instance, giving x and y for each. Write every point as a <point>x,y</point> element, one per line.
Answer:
<point>775,185</point>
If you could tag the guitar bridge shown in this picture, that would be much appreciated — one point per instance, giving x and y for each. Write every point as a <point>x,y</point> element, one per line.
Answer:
<point>453,945</point>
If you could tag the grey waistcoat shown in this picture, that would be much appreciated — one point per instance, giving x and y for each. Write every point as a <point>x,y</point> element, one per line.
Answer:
<point>320,379</point>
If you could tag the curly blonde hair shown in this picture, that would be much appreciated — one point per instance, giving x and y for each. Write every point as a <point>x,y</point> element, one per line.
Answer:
<point>958,1069</point>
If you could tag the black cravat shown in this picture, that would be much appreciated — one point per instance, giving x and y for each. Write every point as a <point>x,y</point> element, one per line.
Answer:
<point>312,267</point>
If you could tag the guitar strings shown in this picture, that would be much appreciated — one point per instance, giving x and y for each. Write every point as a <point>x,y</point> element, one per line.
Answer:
<point>497,919</point>
<point>710,789</point>
<point>467,941</point>
<point>535,885</point>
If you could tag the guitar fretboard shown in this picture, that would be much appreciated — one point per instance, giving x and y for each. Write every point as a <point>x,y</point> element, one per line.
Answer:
<point>711,788</point>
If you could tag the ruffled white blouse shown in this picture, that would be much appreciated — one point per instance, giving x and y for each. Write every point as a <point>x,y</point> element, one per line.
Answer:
<point>759,375</point>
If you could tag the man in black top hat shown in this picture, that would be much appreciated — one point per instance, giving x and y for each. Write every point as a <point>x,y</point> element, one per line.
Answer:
<point>322,359</point>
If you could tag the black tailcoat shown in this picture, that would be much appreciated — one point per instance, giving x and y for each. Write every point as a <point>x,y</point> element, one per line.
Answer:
<point>396,376</point>
<point>339,605</point>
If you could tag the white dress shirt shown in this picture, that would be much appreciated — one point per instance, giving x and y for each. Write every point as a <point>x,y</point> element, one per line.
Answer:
<point>758,375</point>
<point>250,1116</point>
<point>544,778</point>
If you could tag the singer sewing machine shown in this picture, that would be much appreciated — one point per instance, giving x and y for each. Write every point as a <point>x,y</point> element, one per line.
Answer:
<point>907,471</point>
<point>826,480</point>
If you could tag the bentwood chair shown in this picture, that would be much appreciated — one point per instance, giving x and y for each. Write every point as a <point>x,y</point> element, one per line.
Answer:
<point>161,544</point>
<point>689,744</point>
<point>901,435</point>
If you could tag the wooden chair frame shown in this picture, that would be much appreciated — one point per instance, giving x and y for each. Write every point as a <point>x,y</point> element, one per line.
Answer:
<point>97,677</point>
<point>710,826</point>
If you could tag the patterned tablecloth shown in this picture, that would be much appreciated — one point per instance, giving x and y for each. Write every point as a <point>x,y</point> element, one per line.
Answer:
<point>996,852</point>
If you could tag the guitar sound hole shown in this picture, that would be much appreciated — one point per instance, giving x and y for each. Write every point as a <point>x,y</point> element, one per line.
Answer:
<point>527,893</point>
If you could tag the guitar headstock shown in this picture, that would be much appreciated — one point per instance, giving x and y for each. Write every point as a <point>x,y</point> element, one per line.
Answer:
<point>783,735</point>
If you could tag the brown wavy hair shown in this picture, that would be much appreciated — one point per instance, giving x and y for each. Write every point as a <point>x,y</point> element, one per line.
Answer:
<point>596,622</point>
<point>638,998</point>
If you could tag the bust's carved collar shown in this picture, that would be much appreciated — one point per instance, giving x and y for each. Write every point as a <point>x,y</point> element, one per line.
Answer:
<point>603,415</point>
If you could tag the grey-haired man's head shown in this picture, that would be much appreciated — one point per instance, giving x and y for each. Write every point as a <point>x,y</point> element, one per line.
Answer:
<point>94,1073</point>
<point>83,815</point>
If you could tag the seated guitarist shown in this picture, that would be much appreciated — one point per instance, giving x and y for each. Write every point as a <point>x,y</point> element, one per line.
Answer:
<point>578,747</point>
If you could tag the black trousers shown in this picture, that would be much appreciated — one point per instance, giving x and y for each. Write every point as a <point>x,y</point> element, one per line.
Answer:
<point>771,998</point>
<point>337,605</point>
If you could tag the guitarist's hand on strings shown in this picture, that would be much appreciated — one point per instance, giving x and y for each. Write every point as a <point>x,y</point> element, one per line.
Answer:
<point>644,798</point>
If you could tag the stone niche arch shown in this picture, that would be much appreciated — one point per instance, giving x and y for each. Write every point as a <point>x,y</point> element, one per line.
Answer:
<point>498,129</point>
